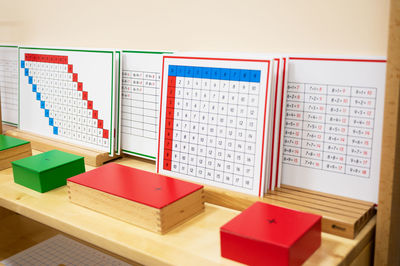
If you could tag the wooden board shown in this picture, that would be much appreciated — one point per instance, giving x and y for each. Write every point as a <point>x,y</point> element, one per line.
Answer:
<point>196,242</point>
<point>92,157</point>
<point>340,216</point>
<point>150,218</point>
<point>388,229</point>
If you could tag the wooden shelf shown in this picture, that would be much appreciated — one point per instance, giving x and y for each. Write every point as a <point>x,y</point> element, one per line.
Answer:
<point>195,242</point>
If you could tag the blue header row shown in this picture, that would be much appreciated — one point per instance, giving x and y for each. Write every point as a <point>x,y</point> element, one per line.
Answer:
<point>215,73</point>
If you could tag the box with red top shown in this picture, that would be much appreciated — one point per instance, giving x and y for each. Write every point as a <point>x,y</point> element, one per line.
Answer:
<point>265,234</point>
<point>152,201</point>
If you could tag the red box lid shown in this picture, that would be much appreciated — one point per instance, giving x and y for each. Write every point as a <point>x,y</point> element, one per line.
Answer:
<point>271,224</point>
<point>144,187</point>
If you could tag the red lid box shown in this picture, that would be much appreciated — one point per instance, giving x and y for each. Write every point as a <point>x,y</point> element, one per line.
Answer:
<point>265,234</point>
<point>152,201</point>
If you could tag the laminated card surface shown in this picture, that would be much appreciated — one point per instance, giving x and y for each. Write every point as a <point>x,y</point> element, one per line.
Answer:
<point>9,84</point>
<point>214,121</point>
<point>141,82</point>
<point>68,95</point>
<point>333,126</point>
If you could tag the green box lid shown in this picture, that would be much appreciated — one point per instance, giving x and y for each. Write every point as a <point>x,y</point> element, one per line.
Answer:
<point>7,142</point>
<point>46,161</point>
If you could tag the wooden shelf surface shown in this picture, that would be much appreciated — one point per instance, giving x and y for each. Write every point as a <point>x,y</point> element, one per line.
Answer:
<point>195,242</point>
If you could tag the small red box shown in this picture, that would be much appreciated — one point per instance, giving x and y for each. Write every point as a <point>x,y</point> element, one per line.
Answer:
<point>265,234</point>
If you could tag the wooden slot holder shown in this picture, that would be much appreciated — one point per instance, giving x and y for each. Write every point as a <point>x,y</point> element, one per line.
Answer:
<point>341,216</point>
<point>43,144</point>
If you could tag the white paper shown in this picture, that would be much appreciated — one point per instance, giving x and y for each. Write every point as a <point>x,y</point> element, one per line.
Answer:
<point>60,250</point>
<point>141,82</point>
<point>333,126</point>
<point>9,84</point>
<point>216,131</point>
<point>53,104</point>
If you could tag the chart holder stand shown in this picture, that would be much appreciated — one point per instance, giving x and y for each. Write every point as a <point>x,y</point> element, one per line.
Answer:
<point>92,157</point>
<point>341,216</point>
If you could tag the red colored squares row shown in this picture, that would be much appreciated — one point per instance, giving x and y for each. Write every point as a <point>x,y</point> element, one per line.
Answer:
<point>105,133</point>
<point>171,81</point>
<point>45,58</point>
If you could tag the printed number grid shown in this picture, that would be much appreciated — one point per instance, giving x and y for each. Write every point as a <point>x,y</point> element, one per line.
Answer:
<point>330,127</point>
<point>140,102</point>
<point>211,123</point>
<point>60,250</point>
<point>63,99</point>
<point>9,84</point>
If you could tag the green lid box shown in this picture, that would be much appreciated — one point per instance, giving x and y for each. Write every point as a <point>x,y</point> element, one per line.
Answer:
<point>48,170</point>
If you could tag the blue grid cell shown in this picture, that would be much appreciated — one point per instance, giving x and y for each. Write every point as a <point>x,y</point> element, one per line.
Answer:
<point>51,122</point>
<point>171,70</point>
<point>244,75</point>
<point>197,72</point>
<point>22,64</point>
<point>234,74</point>
<point>38,96</point>
<point>225,73</point>
<point>30,80</point>
<point>180,71</point>
<point>255,75</point>
<point>42,104</point>
<point>215,73</point>
<point>46,112</point>
<point>206,72</point>
<point>55,130</point>
<point>188,72</point>
<point>34,87</point>
<point>26,72</point>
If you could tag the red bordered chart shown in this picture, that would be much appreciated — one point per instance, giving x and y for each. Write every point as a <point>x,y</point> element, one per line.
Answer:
<point>69,95</point>
<point>214,120</point>
<point>333,125</point>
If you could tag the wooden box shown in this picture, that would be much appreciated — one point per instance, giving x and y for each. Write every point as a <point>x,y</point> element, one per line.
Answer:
<point>12,149</point>
<point>48,170</point>
<point>151,201</point>
<point>265,234</point>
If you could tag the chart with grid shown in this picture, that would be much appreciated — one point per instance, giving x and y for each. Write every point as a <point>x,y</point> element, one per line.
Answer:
<point>61,250</point>
<point>213,124</point>
<point>9,84</point>
<point>64,100</point>
<point>330,127</point>
<point>140,99</point>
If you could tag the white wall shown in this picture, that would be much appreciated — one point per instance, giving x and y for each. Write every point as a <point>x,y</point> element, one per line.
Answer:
<point>348,27</point>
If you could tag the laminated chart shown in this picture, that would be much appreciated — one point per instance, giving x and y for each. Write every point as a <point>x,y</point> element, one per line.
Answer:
<point>9,84</point>
<point>141,82</point>
<point>69,95</point>
<point>214,121</point>
<point>278,108</point>
<point>333,126</point>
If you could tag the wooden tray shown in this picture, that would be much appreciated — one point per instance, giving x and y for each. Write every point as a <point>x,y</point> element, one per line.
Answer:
<point>340,215</point>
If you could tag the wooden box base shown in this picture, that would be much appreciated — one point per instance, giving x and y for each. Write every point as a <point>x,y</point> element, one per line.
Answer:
<point>14,153</point>
<point>150,218</point>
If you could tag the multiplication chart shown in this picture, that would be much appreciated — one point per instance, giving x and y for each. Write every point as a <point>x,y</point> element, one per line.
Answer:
<point>69,95</point>
<point>333,126</point>
<point>214,119</point>
<point>9,84</point>
<point>141,82</point>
